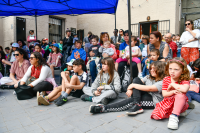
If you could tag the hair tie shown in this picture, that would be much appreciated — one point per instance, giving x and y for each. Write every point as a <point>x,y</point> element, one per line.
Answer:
<point>177,61</point>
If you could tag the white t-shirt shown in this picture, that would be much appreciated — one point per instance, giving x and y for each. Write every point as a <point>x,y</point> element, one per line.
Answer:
<point>144,51</point>
<point>132,48</point>
<point>12,58</point>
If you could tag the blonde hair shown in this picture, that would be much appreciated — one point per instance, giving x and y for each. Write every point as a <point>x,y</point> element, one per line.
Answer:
<point>183,65</point>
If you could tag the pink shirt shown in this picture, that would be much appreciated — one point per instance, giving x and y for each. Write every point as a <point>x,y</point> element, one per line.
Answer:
<point>19,71</point>
<point>54,58</point>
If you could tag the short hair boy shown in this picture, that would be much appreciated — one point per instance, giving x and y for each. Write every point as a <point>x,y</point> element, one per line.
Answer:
<point>70,87</point>
<point>78,52</point>
<point>154,55</point>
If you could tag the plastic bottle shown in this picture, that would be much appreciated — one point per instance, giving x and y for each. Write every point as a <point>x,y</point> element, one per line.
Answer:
<point>148,64</point>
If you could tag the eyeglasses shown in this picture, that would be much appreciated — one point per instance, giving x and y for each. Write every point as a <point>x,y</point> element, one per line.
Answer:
<point>31,58</point>
<point>104,32</point>
<point>15,54</point>
<point>187,24</point>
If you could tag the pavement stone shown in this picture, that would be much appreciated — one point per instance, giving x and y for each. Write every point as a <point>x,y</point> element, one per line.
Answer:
<point>25,116</point>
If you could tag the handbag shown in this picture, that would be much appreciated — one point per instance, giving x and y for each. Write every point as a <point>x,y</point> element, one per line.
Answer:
<point>30,80</point>
<point>24,92</point>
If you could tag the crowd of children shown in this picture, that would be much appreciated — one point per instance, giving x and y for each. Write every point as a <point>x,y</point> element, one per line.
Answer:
<point>168,87</point>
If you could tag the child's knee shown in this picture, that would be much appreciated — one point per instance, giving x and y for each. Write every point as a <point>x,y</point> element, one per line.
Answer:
<point>180,96</point>
<point>74,77</point>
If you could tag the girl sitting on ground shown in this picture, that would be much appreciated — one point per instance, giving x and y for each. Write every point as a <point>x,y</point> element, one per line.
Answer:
<point>106,85</point>
<point>174,89</point>
<point>54,58</point>
<point>143,93</point>
<point>125,55</point>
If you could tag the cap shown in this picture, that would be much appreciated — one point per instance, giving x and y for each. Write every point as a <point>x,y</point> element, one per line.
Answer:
<point>45,39</point>
<point>71,62</point>
<point>75,34</point>
<point>16,45</point>
<point>56,45</point>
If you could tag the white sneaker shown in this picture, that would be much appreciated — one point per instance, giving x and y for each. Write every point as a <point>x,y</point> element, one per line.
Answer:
<point>173,122</point>
<point>183,114</point>
<point>140,75</point>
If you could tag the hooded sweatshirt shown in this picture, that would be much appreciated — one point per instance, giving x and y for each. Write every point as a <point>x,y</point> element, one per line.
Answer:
<point>78,54</point>
<point>114,85</point>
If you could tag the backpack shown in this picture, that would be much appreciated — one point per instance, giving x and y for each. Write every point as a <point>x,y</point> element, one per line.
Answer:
<point>125,79</point>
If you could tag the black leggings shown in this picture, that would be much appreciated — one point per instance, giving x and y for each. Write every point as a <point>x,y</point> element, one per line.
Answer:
<point>43,86</point>
<point>137,97</point>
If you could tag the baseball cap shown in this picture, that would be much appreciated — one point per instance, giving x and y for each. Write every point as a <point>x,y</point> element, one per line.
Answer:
<point>16,45</point>
<point>56,45</point>
<point>71,62</point>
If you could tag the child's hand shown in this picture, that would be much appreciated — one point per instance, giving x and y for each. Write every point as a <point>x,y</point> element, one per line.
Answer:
<point>128,56</point>
<point>177,92</point>
<point>129,93</point>
<point>170,87</point>
<point>100,88</point>
<point>97,93</point>
<point>147,60</point>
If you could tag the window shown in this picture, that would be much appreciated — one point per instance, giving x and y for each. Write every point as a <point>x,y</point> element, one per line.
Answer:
<point>55,29</point>
<point>197,24</point>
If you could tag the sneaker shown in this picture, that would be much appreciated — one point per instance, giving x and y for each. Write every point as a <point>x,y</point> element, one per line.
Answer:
<point>85,97</point>
<point>43,93</point>
<point>136,109</point>
<point>43,100</point>
<point>14,93</point>
<point>96,108</point>
<point>61,101</point>
<point>191,105</point>
<point>4,86</point>
<point>58,98</point>
<point>105,101</point>
<point>173,122</point>
<point>38,94</point>
<point>183,114</point>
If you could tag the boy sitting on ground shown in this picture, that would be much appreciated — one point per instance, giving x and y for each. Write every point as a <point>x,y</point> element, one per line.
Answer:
<point>70,87</point>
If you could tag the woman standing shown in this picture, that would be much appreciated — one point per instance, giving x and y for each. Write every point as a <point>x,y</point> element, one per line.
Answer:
<point>18,68</point>
<point>190,42</point>
<point>31,39</point>
<point>37,73</point>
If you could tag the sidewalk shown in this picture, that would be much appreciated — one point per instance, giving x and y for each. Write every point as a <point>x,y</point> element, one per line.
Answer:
<point>26,116</point>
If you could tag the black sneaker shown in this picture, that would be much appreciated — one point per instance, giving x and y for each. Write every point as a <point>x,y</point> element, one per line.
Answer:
<point>85,97</point>
<point>105,101</point>
<point>96,108</point>
<point>58,98</point>
<point>61,101</point>
<point>4,87</point>
<point>135,110</point>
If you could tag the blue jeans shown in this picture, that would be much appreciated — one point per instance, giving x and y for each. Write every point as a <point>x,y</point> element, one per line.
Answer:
<point>193,96</point>
<point>93,70</point>
<point>179,53</point>
<point>143,62</point>
<point>145,71</point>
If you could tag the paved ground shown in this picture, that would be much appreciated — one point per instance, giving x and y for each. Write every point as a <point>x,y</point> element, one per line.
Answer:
<point>74,117</point>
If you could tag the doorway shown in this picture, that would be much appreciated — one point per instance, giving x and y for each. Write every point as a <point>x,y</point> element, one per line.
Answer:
<point>148,27</point>
<point>80,34</point>
<point>21,28</point>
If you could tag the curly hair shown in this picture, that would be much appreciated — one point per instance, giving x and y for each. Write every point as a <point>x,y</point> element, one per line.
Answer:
<point>183,65</point>
<point>41,61</point>
<point>159,69</point>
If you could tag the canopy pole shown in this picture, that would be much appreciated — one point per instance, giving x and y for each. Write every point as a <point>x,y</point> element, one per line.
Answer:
<point>115,29</point>
<point>36,24</point>
<point>129,33</point>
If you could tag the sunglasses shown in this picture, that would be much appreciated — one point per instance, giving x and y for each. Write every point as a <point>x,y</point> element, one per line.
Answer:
<point>187,24</point>
<point>16,54</point>
<point>31,58</point>
<point>104,32</point>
